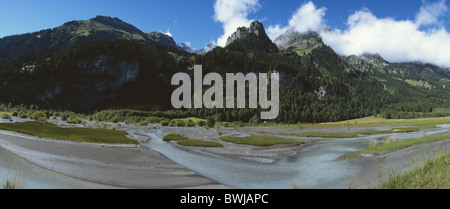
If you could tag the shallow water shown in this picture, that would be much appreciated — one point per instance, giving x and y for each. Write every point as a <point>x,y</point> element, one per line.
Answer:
<point>32,176</point>
<point>315,166</point>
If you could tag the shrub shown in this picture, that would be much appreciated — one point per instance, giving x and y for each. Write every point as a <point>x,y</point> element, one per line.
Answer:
<point>210,121</point>
<point>74,120</point>
<point>6,116</point>
<point>64,116</point>
<point>23,115</point>
<point>190,123</point>
<point>180,123</point>
<point>115,120</point>
<point>165,123</point>
<point>201,123</point>
<point>15,114</point>
<point>39,115</point>
<point>143,123</point>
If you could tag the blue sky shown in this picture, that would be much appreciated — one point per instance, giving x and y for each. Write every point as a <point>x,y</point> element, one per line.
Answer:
<point>200,22</point>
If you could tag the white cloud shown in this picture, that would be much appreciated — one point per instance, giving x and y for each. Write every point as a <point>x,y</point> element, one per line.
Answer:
<point>306,18</point>
<point>430,12</point>
<point>168,33</point>
<point>233,14</point>
<point>395,40</point>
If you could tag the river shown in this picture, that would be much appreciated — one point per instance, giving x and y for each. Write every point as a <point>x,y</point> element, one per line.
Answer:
<point>315,166</point>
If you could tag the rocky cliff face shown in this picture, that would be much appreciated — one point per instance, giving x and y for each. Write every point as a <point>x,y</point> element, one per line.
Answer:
<point>251,39</point>
<point>162,39</point>
<point>103,75</point>
<point>108,67</point>
<point>300,43</point>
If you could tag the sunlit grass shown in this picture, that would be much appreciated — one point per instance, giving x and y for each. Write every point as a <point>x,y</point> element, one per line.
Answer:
<point>259,140</point>
<point>198,143</point>
<point>90,135</point>
<point>352,134</point>
<point>369,121</point>
<point>435,174</point>
<point>393,146</point>
<point>184,141</point>
<point>174,137</point>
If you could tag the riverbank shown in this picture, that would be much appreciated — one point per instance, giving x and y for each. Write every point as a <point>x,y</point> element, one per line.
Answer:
<point>109,166</point>
<point>154,163</point>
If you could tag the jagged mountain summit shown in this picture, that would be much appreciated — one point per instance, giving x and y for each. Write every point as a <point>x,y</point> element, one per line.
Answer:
<point>186,48</point>
<point>297,42</point>
<point>360,62</point>
<point>253,38</point>
<point>162,39</point>
<point>207,49</point>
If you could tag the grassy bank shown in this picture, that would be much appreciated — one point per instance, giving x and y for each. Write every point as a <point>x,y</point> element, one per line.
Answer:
<point>374,121</point>
<point>355,134</point>
<point>90,135</point>
<point>433,175</point>
<point>198,143</point>
<point>364,122</point>
<point>259,140</point>
<point>184,141</point>
<point>393,146</point>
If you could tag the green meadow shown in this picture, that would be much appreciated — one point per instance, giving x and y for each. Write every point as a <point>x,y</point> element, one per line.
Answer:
<point>259,140</point>
<point>49,130</point>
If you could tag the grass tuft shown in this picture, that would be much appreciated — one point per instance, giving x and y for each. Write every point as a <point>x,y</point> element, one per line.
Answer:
<point>198,143</point>
<point>89,135</point>
<point>435,174</point>
<point>392,145</point>
<point>262,141</point>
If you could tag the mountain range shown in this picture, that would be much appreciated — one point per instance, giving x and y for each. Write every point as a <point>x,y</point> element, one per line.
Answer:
<point>103,62</point>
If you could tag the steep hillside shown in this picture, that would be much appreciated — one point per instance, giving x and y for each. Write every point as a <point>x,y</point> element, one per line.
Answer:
<point>103,62</point>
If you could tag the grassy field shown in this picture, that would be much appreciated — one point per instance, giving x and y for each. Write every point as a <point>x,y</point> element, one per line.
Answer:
<point>374,121</point>
<point>354,134</point>
<point>184,141</point>
<point>393,146</point>
<point>90,135</point>
<point>435,174</point>
<point>322,135</point>
<point>369,121</point>
<point>258,140</point>
<point>174,137</point>
<point>198,143</point>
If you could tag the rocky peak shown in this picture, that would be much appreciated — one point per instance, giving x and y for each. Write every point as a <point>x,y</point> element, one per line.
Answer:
<point>255,28</point>
<point>366,61</point>
<point>301,43</point>
<point>185,47</point>
<point>207,49</point>
<point>162,39</point>
<point>375,59</point>
<point>252,38</point>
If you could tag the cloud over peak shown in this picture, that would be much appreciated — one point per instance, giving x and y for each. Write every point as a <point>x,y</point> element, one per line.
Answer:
<point>395,40</point>
<point>422,39</point>
<point>233,14</point>
<point>306,18</point>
